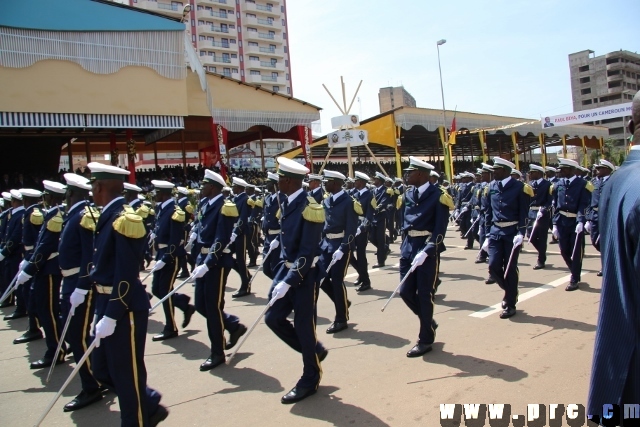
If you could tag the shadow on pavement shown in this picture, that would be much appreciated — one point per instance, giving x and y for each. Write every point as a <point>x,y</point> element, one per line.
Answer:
<point>329,408</point>
<point>455,305</point>
<point>459,276</point>
<point>471,366</point>
<point>246,379</point>
<point>98,411</point>
<point>553,322</point>
<point>373,338</point>
<point>189,349</point>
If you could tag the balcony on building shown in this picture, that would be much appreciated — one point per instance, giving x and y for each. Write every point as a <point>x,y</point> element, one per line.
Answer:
<point>216,15</point>
<point>263,36</point>
<point>219,60</point>
<point>264,79</point>
<point>264,65</point>
<point>262,50</point>
<point>268,23</point>
<point>216,2</point>
<point>172,9</point>
<point>216,45</point>
<point>273,11</point>
<point>217,30</point>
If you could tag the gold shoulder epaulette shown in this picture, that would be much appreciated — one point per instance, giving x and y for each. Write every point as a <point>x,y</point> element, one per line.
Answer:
<point>230,209</point>
<point>486,190</point>
<point>551,189</point>
<point>325,195</point>
<point>314,212</point>
<point>446,199</point>
<point>259,203</point>
<point>251,202</point>
<point>130,225</point>
<point>89,218</point>
<point>390,191</point>
<point>357,207</point>
<point>399,202</point>
<point>278,214</point>
<point>589,186</point>
<point>190,208</point>
<point>152,212</point>
<point>374,203</point>
<point>528,190</point>
<point>396,191</point>
<point>54,225</point>
<point>143,211</point>
<point>178,215</point>
<point>36,217</point>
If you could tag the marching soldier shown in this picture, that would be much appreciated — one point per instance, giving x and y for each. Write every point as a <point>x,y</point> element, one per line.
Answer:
<point>487,170</point>
<point>571,197</point>
<point>271,224</point>
<point>550,173</point>
<point>131,193</point>
<point>43,267</point>
<point>169,239</point>
<point>539,214</point>
<point>603,170</point>
<point>505,227</point>
<point>425,224</point>
<point>294,285</point>
<point>398,185</point>
<point>241,235</point>
<point>315,187</point>
<point>464,197</point>
<point>78,298</point>
<point>214,236</point>
<point>365,197</point>
<point>341,221</point>
<point>11,253</point>
<point>381,199</point>
<point>5,217</point>
<point>253,244</point>
<point>188,209</point>
<point>33,220</point>
<point>392,209</point>
<point>122,305</point>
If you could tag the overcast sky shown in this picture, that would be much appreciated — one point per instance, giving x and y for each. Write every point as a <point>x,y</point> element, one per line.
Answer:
<point>505,57</point>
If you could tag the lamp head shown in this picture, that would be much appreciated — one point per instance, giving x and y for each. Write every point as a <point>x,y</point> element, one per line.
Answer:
<point>441,42</point>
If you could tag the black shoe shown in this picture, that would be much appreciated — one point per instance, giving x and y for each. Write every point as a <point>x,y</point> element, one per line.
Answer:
<point>252,264</point>
<point>191,309</point>
<point>165,336</point>
<point>348,304</point>
<point>553,242</point>
<point>184,275</point>
<point>15,315</point>
<point>508,312</point>
<point>28,336</point>
<point>539,266</point>
<point>363,287</point>
<point>323,355</point>
<point>211,363</point>
<point>572,286</point>
<point>434,325</point>
<point>438,283</point>
<point>240,293</point>
<point>45,362</point>
<point>148,262</point>
<point>150,296</point>
<point>467,247</point>
<point>599,274</point>
<point>480,260</point>
<point>418,350</point>
<point>297,394</point>
<point>6,304</point>
<point>337,327</point>
<point>235,336</point>
<point>490,281</point>
<point>161,414</point>
<point>357,282</point>
<point>504,304</point>
<point>82,400</point>
<point>378,265</point>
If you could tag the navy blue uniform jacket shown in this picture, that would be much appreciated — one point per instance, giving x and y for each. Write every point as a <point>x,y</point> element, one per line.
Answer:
<point>509,205</point>
<point>426,213</point>
<point>340,216</point>
<point>47,245</point>
<point>76,247</point>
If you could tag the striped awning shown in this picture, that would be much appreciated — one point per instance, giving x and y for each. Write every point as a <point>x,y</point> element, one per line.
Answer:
<point>64,120</point>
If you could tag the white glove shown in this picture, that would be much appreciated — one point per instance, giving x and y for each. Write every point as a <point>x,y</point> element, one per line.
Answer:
<point>555,232</point>
<point>463,210</point>
<point>105,327</point>
<point>419,259</point>
<point>152,236</point>
<point>199,271</point>
<point>588,226</point>
<point>337,255</point>
<point>193,237</point>
<point>1,257</point>
<point>275,243</point>
<point>485,245</point>
<point>188,246</point>
<point>76,299</point>
<point>23,278</point>
<point>456,213</point>
<point>23,264</point>
<point>279,291</point>
<point>517,240</point>
<point>358,231</point>
<point>158,266</point>
<point>539,215</point>
<point>579,228</point>
<point>233,238</point>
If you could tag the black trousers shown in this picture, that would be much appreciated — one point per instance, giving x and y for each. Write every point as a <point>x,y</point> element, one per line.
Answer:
<point>162,284</point>
<point>418,293</point>
<point>499,253</point>
<point>379,238</point>
<point>333,283</point>
<point>359,261</point>
<point>46,297</point>
<point>240,264</point>
<point>539,237</point>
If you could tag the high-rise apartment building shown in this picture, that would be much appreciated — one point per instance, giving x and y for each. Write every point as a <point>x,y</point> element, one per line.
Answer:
<point>243,39</point>
<point>598,81</point>
<point>394,97</point>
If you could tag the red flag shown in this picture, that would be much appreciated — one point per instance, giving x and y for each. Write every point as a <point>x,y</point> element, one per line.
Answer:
<point>452,133</point>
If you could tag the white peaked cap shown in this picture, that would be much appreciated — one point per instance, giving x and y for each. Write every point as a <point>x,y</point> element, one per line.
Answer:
<point>605,164</point>
<point>536,168</point>
<point>550,169</point>
<point>16,194</point>
<point>6,195</point>
<point>516,172</point>
<point>434,173</point>
<point>54,187</point>
<point>99,168</point>
<point>211,176</point>
<point>75,180</point>
<point>141,197</point>
<point>487,168</point>
<point>305,184</point>
<point>239,181</point>
<point>500,162</point>
<point>363,176</point>
<point>183,190</point>
<point>162,184</point>
<point>273,176</point>
<point>568,163</point>
<point>132,187</point>
<point>315,177</point>
<point>380,175</point>
<point>30,192</point>
<point>333,175</point>
<point>416,163</point>
<point>291,168</point>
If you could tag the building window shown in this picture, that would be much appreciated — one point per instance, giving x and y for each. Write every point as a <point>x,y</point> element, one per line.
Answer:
<point>234,70</point>
<point>202,53</point>
<point>232,26</point>
<point>585,91</point>
<point>583,68</point>
<point>250,15</point>
<point>613,61</point>
<point>252,30</point>
<point>286,62</point>
<point>614,84</point>
<point>193,38</point>
<point>254,72</point>
<point>202,38</point>
<point>254,58</point>
<point>288,90</point>
<point>234,56</point>
<point>287,76</point>
<point>233,41</point>
<point>276,88</point>
<point>242,73</point>
<point>587,102</point>
<point>200,22</point>
<point>286,49</point>
<point>193,22</point>
<point>254,44</point>
<point>585,79</point>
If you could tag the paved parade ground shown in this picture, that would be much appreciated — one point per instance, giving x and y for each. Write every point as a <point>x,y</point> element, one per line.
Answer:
<point>541,355</point>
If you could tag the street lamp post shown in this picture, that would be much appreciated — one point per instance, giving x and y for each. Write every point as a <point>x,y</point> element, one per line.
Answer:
<point>448,166</point>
